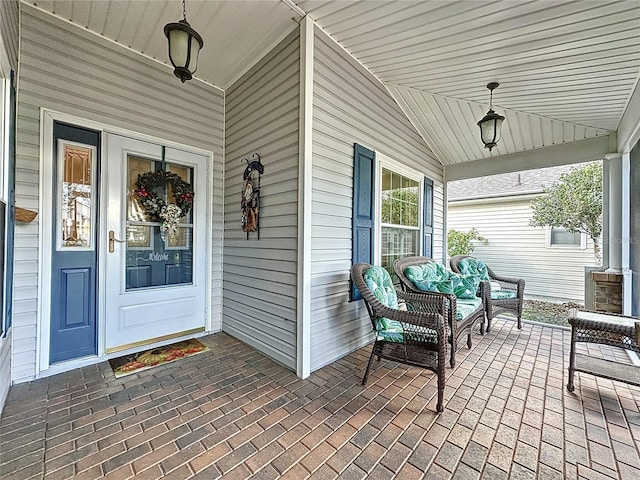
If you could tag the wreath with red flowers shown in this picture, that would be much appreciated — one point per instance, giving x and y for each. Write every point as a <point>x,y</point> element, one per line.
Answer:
<point>152,203</point>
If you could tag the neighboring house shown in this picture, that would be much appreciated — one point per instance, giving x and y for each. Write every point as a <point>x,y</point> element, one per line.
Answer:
<point>91,277</point>
<point>550,260</point>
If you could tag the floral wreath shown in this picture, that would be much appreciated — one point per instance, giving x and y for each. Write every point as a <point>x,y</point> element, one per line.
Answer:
<point>155,207</point>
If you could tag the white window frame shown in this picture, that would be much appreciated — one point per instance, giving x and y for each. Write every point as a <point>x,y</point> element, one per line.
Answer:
<point>383,161</point>
<point>582,246</point>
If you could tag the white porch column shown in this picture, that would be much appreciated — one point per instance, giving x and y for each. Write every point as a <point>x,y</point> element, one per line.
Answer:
<point>615,212</point>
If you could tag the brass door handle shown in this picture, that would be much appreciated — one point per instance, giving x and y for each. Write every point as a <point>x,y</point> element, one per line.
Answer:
<point>112,241</point>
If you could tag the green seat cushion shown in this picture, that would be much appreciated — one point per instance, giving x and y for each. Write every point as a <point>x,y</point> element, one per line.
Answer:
<point>464,286</point>
<point>502,294</point>
<point>466,306</point>
<point>473,266</point>
<point>389,330</point>
<point>429,277</point>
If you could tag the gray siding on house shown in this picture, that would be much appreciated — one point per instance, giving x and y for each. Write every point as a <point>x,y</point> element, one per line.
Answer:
<point>260,276</point>
<point>350,106</point>
<point>9,32</point>
<point>516,249</point>
<point>66,69</point>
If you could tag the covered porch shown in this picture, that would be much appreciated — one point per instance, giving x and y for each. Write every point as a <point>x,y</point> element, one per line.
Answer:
<point>234,413</point>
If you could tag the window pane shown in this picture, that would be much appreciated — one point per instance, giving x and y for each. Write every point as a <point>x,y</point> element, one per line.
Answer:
<point>77,196</point>
<point>396,243</point>
<point>559,236</point>
<point>400,196</point>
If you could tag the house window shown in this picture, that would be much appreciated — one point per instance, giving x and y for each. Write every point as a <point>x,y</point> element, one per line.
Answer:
<point>399,197</point>
<point>560,237</point>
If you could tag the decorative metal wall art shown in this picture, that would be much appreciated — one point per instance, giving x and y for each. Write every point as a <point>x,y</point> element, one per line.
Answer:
<point>250,195</point>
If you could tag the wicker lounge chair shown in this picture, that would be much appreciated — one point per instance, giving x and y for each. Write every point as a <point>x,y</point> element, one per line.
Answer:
<point>461,315</point>
<point>508,297</point>
<point>413,336</point>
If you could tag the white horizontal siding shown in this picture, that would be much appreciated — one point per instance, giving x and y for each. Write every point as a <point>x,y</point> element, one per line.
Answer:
<point>69,70</point>
<point>349,106</point>
<point>515,249</point>
<point>260,280</point>
<point>9,34</point>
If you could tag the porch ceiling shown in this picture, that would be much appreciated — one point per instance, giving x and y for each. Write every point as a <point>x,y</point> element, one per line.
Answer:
<point>567,70</point>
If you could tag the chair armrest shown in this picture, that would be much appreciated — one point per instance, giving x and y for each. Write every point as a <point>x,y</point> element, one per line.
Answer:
<point>419,319</point>
<point>513,280</point>
<point>510,283</point>
<point>419,302</point>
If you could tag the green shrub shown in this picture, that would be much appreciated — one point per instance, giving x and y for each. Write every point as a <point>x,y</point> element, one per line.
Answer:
<point>461,243</point>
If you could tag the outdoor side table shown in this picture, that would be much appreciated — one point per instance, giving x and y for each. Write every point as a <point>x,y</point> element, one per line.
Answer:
<point>606,329</point>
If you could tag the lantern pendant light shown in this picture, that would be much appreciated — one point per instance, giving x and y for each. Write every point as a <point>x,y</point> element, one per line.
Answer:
<point>491,123</point>
<point>184,46</point>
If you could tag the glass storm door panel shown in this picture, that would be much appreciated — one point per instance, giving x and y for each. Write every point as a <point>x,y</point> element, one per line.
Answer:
<point>73,331</point>
<point>156,220</point>
<point>157,256</point>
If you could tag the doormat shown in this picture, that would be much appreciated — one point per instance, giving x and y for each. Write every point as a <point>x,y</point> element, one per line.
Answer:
<point>145,360</point>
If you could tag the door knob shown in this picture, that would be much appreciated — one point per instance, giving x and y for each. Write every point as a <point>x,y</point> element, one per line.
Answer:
<point>112,241</point>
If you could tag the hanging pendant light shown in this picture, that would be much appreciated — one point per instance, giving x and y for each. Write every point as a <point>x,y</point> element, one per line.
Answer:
<point>491,123</point>
<point>184,46</point>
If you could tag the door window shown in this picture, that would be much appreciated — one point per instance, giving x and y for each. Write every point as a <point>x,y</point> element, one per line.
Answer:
<point>159,235</point>
<point>77,195</point>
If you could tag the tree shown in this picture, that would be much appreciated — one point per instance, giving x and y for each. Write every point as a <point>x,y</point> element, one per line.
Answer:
<point>573,203</point>
<point>460,243</point>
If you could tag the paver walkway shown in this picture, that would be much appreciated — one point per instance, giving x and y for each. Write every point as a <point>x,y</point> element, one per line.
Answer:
<point>233,413</point>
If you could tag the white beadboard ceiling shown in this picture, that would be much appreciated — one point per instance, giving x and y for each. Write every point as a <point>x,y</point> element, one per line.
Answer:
<point>567,69</point>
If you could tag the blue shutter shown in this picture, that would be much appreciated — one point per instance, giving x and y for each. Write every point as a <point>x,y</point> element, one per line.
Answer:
<point>363,187</point>
<point>427,214</point>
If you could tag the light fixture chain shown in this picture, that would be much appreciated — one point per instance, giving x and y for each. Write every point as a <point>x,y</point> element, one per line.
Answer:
<point>491,100</point>
<point>184,10</point>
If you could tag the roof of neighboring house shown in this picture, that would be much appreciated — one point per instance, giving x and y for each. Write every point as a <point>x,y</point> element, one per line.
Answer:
<point>507,184</point>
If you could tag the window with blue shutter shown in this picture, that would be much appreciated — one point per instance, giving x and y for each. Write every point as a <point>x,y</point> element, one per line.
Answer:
<point>363,211</point>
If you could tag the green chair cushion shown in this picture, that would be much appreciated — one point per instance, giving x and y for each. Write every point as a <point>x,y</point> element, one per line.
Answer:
<point>502,294</point>
<point>379,282</point>
<point>473,266</point>
<point>429,277</point>
<point>466,306</point>
<point>464,286</point>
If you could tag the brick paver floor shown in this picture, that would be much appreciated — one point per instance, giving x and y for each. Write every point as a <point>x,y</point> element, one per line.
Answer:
<point>233,413</point>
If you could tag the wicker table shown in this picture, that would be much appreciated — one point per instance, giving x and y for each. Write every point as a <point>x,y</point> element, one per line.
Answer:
<point>607,329</point>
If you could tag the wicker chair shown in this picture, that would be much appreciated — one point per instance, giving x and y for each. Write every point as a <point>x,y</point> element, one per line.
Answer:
<point>509,298</point>
<point>413,336</point>
<point>459,328</point>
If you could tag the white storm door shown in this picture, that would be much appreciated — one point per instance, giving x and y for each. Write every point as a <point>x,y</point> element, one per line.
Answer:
<point>155,281</point>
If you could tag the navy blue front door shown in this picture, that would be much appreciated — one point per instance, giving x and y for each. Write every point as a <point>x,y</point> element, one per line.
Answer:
<point>74,245</point>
